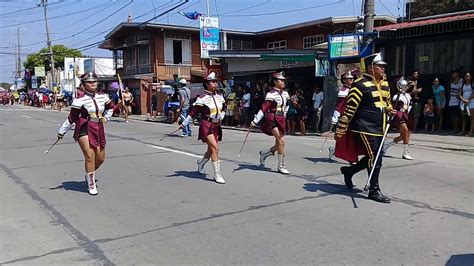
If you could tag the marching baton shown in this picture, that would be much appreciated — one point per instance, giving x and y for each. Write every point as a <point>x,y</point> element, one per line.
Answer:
<point>245,140</point>
<point>46,151</point>
<point>326,139</point>
<point>400,84</point>
<point>170,134</point>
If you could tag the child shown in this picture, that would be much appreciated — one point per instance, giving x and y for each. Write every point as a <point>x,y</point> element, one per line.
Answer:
<point>428,112</point>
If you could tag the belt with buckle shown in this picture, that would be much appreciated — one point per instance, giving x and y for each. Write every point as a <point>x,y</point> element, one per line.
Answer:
<point>94,119</point>
<point>278,113</point>
<point>214,120</point>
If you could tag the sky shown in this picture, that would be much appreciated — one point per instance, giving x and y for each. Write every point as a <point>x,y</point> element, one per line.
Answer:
<point>78,23</point>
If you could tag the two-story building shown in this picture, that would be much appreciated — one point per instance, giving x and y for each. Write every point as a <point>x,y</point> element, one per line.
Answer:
<point>147,53</point>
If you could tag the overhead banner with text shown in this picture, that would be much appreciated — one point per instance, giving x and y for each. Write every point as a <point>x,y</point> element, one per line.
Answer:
<point>209,29</point>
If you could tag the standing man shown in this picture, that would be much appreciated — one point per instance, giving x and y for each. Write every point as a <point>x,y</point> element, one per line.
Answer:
<point>363,124</point>
<point>317,106</point>
<point>184,99</point>
<point>127,103</point>
<point>417,105</point>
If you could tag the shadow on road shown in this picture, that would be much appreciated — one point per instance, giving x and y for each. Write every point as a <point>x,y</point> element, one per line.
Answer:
<point>254,167</point>
<point>190,174</point>
<point>335,189</point>
<point>320,160</point>
<point>79,186</point>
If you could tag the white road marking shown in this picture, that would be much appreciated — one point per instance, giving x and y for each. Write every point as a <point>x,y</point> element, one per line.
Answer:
<point>175,151</point>
<point>26,116</point>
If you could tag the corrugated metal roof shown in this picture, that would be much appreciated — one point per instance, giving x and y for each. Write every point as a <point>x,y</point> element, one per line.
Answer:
<point>411,24</point>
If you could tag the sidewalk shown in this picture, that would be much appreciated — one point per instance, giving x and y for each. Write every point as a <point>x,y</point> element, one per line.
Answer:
<point>436,141</point>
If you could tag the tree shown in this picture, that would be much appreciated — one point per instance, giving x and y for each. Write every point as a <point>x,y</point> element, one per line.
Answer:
<point>5,85</point>
<point>41,58</point>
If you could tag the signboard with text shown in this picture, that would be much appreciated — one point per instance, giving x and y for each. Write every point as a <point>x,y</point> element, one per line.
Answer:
<point>209,33</point>
<point>40,72</point>
<point>344,46</point>
<point>34,82</point>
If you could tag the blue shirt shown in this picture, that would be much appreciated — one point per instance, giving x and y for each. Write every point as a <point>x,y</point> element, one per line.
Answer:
<point>437,94</point>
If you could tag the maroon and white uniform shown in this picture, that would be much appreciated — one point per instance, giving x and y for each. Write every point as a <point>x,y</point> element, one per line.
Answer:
<point>87,112</point>
<point>274,110</point>
<point>403,107</point>
<point>340,103</point>
<point>211,106</point>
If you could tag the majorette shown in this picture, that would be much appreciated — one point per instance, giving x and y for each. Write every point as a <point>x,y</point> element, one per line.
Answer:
<point>211,106</point>
<point>347,80</point>
<point>402,122</point>
<point>89,112</point>
<point>273,111</point>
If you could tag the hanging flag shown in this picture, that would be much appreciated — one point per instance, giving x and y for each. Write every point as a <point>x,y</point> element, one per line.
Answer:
<point>194,15</point>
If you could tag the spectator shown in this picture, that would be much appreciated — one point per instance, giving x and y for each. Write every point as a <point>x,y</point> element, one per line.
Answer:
<point>467,103</point>
<point>154,103</point>
<point>415,91</point>
<point>244,116</point>
<point>184,100</point>
<point>317,106</point>
<point>257,100</point>
<point>439,101</point>
<point>229,112</point>
<point>301,111</point>
<point>454,101</point>
<point>292,113</point>
<point>429,114</point>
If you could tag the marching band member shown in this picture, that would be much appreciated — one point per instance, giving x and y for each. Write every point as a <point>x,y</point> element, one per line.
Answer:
<point>363,124</point>
<point>211,106</point>
<point>402,122</point>
<point>89,112</point>
<point>273,112</point>
<point>347,80</point>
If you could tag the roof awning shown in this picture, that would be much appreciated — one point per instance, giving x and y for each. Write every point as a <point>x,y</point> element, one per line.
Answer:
<point>287,57</point>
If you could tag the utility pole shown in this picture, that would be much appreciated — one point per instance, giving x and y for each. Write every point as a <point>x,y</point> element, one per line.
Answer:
<point>369,13</point>
<point>45,6</point>
<point>18,51</point>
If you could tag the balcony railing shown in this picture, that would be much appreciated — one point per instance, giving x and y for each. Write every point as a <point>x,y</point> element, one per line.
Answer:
<point>167,71</point>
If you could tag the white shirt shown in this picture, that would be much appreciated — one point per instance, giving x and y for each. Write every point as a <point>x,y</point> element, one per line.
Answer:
<point>246,99</point>
<point>317,99</point>
<point>454,100</point>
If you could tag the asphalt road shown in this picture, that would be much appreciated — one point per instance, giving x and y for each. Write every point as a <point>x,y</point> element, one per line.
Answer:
<point>154,208</point>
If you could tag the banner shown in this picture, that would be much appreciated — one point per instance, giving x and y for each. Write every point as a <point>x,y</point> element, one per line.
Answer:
<point>34,82</point>
<point>209,31</point>
<point>343,46</point>
<point>40,72</point>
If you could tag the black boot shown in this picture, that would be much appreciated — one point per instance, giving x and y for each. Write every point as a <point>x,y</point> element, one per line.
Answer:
<point>347,172</point>
<point>376,194</point>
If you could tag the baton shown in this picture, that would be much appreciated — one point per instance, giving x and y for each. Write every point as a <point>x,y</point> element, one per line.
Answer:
<point>326,139</point>
<point>245,140</point>
<point>170,134</point>
<point>46,151</point>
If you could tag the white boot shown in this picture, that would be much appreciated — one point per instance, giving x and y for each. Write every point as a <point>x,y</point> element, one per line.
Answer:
<point>281,165</point>
<point>331,153</point>
<point>264,155</point>
<point>217,172</point>
<point>406,155</point>
<point>387,145</point>
<point>91,186</point>
<point>201,164</point>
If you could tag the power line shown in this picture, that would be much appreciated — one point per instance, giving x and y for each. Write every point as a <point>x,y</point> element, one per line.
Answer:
<point>386,8</point>
<point>215,6</point>
<point>247,8</point>
<point>56,17</point>
<point>84,30</point>
<point>283,12</point>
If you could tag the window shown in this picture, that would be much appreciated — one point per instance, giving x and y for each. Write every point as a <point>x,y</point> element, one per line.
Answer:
<point>310,41</point>
<point>143,58</point>
<point>130,58</point>
<point>238,44</point>
<point>277,45</point>
<point>177,51</point>
<point>118,59</point>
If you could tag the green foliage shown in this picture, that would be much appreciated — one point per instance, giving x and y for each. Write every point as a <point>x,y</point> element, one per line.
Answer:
<point>41,58</point>
<point>5,85</point>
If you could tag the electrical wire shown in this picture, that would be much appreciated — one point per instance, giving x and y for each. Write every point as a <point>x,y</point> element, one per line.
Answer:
<point>386,8</point>
<point>285,11</point>
<point>247,8</point>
